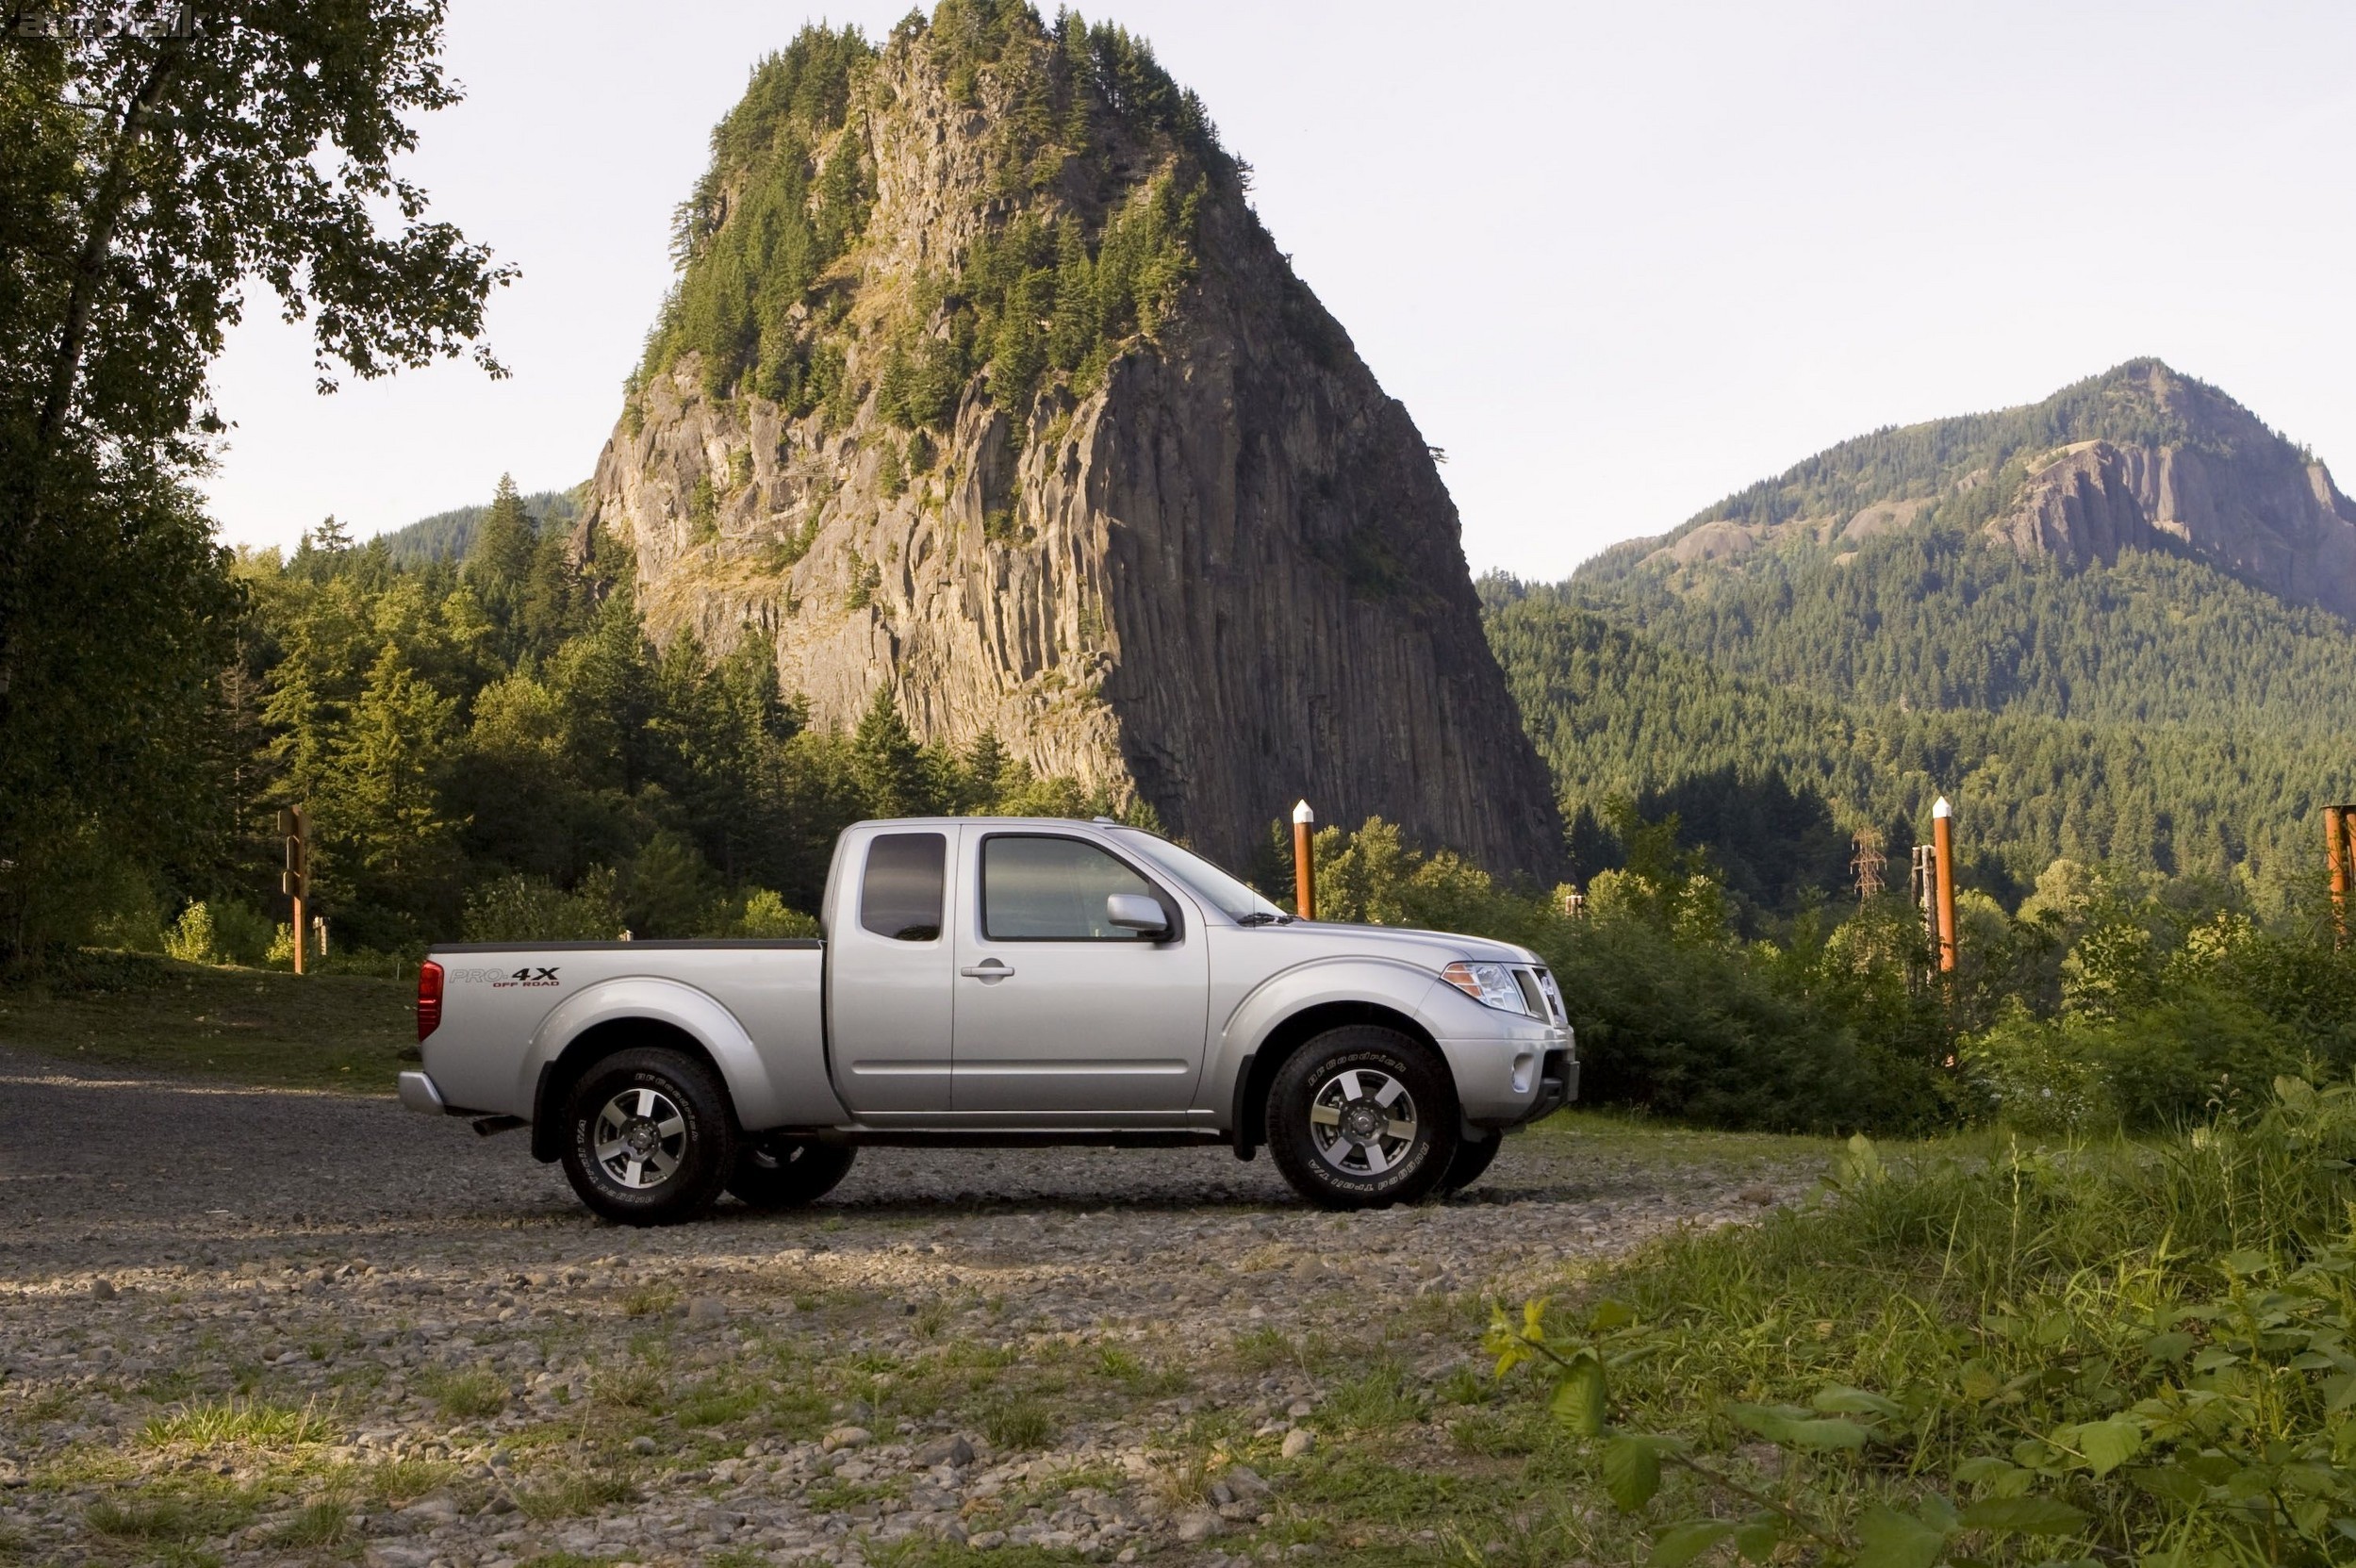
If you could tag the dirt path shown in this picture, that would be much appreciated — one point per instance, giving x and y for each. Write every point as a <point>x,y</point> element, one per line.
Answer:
<point>284,1327</point>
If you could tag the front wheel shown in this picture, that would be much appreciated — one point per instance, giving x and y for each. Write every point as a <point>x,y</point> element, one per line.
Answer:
<point>1472,1162</point>
<point>648,1138</point>
<point>1362,1117</point>
<point>774,1171</point>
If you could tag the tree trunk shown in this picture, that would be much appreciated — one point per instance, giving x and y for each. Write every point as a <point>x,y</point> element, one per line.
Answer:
<point>89,265</point>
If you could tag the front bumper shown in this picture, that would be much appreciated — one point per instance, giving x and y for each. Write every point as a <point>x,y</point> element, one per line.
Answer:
<point>418,1094</point>
<point>1557,1083</point>
<point>1504,1081</point>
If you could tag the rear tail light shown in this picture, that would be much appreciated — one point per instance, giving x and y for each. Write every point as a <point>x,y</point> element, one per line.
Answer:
<point>429,997</point>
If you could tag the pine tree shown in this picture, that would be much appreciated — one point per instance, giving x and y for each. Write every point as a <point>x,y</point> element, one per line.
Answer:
<point>555,602</point>
<point>985,770</point>
<point>887,761</point>
<point>498,563</point>
<point>383,829</point>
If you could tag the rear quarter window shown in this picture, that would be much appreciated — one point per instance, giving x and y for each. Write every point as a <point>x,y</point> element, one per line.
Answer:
<point>900,893</point>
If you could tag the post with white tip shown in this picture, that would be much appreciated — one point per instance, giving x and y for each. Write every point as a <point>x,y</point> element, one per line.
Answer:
<point>1943,852</point>
<point>1304,863</point>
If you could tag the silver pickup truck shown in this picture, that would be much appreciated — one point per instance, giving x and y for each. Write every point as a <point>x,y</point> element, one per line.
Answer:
<point>993,981</point>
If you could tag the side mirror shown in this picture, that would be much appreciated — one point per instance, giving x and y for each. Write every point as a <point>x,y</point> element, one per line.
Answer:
<point>1136,912</point>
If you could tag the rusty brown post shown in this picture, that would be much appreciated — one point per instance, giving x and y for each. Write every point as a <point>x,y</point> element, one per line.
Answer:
<point>295,823</point>
<point>1943,852</point>
<point>1304,861</point>
<point>2336,822</point>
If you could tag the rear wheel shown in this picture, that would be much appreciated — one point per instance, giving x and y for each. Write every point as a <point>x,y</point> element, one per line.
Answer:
<point>1472,1162</point>
<point>648,1138</point>
<point>1362,1117</point>
<point>774,1171</point>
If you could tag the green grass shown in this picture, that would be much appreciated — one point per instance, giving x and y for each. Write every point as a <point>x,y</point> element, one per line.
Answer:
<point>634,1387</point>
<point>568,1493</point>
<point>344,1032</point>
<point>466,1395</point>
<point>395,1483</point>
<point>1019,1423</point>
<point>226,1422</point>
<point>320,1524</point>
<point>2145,1340</point>
<point>1647,1141</point>
<point>718,1402</point>
<point>141,1519</point>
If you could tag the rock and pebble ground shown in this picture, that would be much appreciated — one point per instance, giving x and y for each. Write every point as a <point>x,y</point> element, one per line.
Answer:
<point>253,1326</point>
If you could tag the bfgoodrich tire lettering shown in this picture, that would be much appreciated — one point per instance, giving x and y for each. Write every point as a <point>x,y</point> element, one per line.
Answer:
<point>647,1137</point>
<point>1362,1117</point>
<point>774,1171</point>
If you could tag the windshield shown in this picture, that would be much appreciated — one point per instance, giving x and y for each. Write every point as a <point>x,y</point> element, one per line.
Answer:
<point>1204,880</point>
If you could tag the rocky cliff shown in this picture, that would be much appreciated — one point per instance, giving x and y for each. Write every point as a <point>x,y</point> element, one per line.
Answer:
<point>2229,492</point>
<point>983,382</point>
<point>2141,457</point>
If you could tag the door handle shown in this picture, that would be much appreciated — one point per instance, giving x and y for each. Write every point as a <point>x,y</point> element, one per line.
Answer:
<point>988,969</point>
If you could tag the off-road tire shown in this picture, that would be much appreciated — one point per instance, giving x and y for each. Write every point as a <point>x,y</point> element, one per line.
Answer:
<point>774,1171</point>
<point>1329,1142</point>
<point>647,1137</point>
<point>1472,1162</point>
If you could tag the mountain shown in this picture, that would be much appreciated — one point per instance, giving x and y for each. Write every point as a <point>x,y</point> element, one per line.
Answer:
<point>2139,459</point>
<point>2108,625</point>
<point>983,382</point>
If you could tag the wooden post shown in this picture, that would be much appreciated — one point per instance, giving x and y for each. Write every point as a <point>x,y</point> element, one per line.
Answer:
<point>2336,824</point>
<point>1304,861</point>
<point>295,823</point>
<point>1943,855</point>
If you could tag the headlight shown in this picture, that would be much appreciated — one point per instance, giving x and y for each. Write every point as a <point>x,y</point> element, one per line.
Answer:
<point>1491,984</point>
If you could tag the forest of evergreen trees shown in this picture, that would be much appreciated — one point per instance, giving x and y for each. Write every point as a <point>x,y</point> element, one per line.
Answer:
<point>2155,715</point>
<point>492,746</point>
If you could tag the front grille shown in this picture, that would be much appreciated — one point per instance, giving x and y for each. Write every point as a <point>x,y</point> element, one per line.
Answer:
<point>1552,1006</point>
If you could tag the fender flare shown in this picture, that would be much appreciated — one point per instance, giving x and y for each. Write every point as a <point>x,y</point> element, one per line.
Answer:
<point>1376,989</point>
<point>645,998</point>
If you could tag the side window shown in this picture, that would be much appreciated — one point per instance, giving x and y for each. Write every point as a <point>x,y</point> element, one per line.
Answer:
<point>1035,888</point>
<point>900,897</point>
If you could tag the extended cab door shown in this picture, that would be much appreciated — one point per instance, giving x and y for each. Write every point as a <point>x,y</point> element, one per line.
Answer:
<point>888,973</point>
<point>1057,1011</point>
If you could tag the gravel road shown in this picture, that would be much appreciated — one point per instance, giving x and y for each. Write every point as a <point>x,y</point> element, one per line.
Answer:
<point>278,1326</point>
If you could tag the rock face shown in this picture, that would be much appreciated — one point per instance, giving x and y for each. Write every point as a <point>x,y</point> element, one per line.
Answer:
<point>1210,564</point>
<point>2237,496</point>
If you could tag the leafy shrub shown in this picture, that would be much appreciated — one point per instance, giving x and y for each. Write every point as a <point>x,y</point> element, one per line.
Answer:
<point>763,913</point>
<point>219,931</point>
<point>518,908</point>
<point>191,938</point>
<point>670,887</point>
<point>1673,1014</point>
<point>2159,1065</point>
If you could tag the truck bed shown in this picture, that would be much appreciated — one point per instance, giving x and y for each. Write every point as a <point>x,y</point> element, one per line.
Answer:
<point>756,1003</point>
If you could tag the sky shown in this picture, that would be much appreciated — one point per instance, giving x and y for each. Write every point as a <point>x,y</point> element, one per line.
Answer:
<point>1616,260</point>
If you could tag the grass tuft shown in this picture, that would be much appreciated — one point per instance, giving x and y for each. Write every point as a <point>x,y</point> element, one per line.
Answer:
<point>320,1524</point>
<point>1019,1423</point>
<point>466,1395</point>
<point>137,1519</point>
<point>574,1492</point>
<point>232,1422</point>
<point>635,1387</point>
